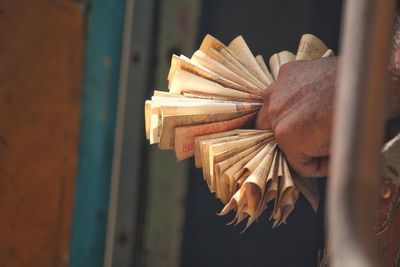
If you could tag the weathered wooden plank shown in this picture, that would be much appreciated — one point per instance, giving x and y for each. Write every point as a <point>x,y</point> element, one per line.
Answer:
<point>41,55</point>
<point>163,233</point>
<point>126,197</point>
<point>148,189</point>
<point>100,87</point>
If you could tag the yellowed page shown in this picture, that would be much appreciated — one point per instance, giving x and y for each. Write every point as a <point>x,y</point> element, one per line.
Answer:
<point>241,50</point>
<point>181,99</point>
<point>223,165</point>
<point>254,162</point>
<point>254,187</point>
<point>225,58</point>
<point>218,51</point>
<point>147,116</point>
<point>278,60</point>
<point>287,181</point>
<point>191,66</point>
<point>208,62</point>
<point>170,122</point>
<point>235,168</point>
<point>204,152</point>
<point>328,53</point>
<point>224,182</point>
<point>310,47</point>
<point>204,146</point>
<point>263,66</point>
<point>163,106</point>
<point>184,136</point>
<point>224,151</point>
<point>165,94</point>
<point>287,205</point>
<point>238,204</point>
<point>219,152</point>
<point>271,191</point>
<point>208,96</point>
<point>210,42</point>
<point>232,204</point>
<point>155,123</point>
<point>286,195</point>
<point>272,179</point>
<point>204,107</point>
<point>184,81</point>
<point>229,59</point>
<point>197,95</point>
<point>208,137</point>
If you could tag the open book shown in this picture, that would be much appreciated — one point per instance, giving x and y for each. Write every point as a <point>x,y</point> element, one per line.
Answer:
<point>211,96</point>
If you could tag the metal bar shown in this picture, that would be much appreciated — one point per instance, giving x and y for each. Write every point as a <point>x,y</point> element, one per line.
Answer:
<point>122,244</point>
<point>167,179</point>
<point>119,134</point>
<point>358,131</point>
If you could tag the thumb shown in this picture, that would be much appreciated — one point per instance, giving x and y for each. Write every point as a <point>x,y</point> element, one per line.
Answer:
<point>262,120</point>
<point>314,167</point>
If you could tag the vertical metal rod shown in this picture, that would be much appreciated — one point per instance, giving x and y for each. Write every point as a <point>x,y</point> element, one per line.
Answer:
<point>365,47</point>
<point>119,131</point>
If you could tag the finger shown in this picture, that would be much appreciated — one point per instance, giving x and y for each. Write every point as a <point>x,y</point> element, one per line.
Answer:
<point>314,167</point>
<point>262,120</point>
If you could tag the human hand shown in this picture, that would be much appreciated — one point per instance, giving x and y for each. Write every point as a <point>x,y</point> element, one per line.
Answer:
<point>298,108</point>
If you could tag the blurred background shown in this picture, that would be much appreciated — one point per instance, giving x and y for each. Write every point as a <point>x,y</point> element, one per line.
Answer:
<point>79,185</point>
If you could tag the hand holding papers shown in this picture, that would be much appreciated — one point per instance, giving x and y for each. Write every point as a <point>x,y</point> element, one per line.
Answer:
<point>212,95</point>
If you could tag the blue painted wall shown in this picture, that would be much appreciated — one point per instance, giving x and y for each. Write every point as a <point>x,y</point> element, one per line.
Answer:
<point>104,20</point>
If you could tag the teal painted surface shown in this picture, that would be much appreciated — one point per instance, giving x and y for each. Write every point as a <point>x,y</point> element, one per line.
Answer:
<point>100,88</point>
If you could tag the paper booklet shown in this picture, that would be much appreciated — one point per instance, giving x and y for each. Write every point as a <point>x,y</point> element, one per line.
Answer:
<point>212,95</point>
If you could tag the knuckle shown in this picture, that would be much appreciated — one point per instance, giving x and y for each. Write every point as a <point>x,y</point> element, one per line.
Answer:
<point>269,91</point>
<point>273,111</point>
<point>262,118</point>
<point>294,164</point>
<point>300,168</point>
<point>285,68</point>
<point>281,136</point>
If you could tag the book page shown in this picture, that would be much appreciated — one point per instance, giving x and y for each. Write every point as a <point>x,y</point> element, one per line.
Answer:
<point>204,107</point>
<point>208,137</point>
<point>241,50</point>
<point>221,167</point>
<point>310,47</point>
<point>278,60</point>
<point>263,66</point>
<point>208,62</point>
<point>184,136</point>
<point>170,122</point>
<point>218,51</point>
<point>255,184</point>
<point>187,64</point>
<point>184,81</point>
<point>147,115</point>
<point>219,152</point>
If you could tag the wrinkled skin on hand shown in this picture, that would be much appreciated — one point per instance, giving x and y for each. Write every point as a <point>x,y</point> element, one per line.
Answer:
<point>299,109</point>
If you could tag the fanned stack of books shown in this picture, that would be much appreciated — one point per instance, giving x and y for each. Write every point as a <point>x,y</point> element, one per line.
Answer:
<point>211,96</point>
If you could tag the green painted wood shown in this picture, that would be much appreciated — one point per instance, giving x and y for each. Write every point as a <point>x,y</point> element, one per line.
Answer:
<point>100,88</point>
